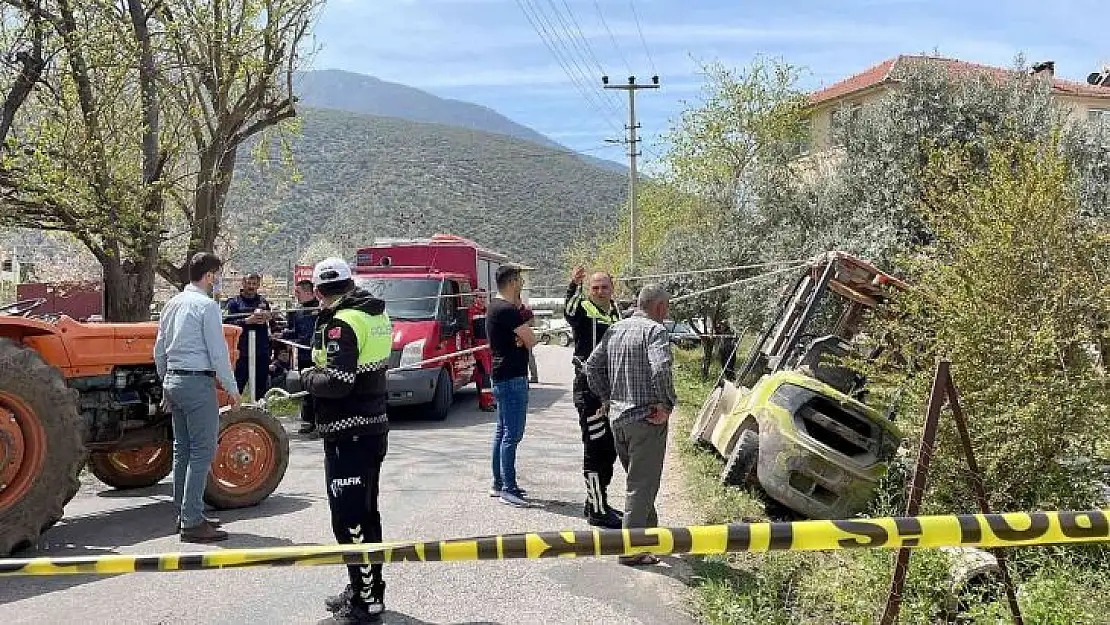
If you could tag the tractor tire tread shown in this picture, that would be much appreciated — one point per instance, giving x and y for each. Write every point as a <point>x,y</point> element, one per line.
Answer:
<point>55,404</point>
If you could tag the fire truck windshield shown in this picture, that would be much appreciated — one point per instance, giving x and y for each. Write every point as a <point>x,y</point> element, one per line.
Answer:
<point>405,298</point>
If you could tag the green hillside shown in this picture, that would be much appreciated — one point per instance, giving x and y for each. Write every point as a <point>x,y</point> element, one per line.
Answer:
<point>363,177</point>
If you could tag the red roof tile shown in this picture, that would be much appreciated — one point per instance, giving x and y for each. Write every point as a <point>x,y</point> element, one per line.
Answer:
<point>883,73</point>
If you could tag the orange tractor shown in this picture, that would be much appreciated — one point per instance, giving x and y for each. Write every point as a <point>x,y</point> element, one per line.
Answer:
<point>73,393</point>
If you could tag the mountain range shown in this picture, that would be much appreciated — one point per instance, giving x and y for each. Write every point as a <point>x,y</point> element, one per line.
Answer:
<point>358,93</point>
<point>377,159</point>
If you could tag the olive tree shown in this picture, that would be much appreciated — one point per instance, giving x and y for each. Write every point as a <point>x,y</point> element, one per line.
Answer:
<point>121,122</point>
<point>1006,289</point>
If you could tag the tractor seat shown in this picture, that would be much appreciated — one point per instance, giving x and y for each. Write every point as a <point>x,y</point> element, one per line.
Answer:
<point>819,361</point>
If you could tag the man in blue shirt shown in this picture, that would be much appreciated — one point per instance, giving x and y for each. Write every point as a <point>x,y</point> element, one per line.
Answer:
<point>190,355</point>
<point>251,311</point>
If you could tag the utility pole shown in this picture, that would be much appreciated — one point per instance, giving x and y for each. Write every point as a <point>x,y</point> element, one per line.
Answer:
<point>633,152</point>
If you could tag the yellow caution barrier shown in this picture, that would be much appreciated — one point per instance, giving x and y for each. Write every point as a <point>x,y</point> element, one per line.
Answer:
<point>1014,529</point>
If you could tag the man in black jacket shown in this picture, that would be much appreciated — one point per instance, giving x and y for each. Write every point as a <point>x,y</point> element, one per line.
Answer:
<point>301,324</point>
<point>590,315</point>
<point>350,351</point>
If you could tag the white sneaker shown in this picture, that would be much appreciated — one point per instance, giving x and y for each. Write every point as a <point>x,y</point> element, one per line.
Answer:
<point>496,492</point>
<point>514,499</point>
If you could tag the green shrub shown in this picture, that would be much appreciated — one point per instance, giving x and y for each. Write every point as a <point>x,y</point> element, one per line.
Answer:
<point>1011,294</point>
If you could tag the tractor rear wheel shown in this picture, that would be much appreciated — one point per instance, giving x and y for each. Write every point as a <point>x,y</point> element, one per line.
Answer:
<point>252,454</point>
<point>41,445</point>
<point>133,468</point>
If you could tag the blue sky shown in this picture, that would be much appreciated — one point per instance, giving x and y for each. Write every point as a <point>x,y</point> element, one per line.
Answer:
<point>488,52</point>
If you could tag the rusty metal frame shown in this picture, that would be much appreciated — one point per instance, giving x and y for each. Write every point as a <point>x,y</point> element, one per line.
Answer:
<point>943,389</point>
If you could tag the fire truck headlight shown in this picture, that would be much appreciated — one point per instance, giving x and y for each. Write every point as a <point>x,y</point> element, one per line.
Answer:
<point>412,353</point>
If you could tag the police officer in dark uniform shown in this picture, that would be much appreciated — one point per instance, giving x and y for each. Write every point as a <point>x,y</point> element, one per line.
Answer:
<point>590,314</point>
<point>350,352</point>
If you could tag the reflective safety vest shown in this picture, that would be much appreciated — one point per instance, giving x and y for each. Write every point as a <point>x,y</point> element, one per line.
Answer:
<point>593,312</point>
<point>373,333</point>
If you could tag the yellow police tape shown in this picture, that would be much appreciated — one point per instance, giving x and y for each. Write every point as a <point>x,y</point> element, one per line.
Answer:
<point>1014,529</point>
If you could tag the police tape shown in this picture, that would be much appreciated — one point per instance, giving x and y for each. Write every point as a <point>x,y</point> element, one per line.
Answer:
<point>1014,529</point>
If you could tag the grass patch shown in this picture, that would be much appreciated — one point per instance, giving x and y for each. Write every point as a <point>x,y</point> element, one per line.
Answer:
<point>1056,585</point>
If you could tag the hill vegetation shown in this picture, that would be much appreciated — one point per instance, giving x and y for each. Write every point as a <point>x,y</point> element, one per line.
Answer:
<point>358,93</point>
<point>359,177</point>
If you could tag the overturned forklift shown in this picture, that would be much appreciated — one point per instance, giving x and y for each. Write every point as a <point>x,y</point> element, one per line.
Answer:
<point>794,422</point>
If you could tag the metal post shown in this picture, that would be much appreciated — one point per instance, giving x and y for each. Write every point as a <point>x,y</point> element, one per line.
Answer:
<point>975,478</point>
<point>250,363</point>
<point>632,140</point>
<point>632,206</point>
<point>917,487</point>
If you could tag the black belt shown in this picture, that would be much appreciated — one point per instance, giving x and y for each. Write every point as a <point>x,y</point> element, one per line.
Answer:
<point>210,374</point>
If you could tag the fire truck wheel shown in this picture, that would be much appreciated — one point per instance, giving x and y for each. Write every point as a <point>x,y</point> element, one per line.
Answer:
<point>445,396</point>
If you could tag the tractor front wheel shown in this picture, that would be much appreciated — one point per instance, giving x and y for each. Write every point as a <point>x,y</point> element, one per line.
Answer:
<point>252,455</point>
<point>133,468</point>
<point>41,445</point>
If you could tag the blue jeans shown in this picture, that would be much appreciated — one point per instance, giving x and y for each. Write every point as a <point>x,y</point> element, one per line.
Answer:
<point>196,428</point>
<point>512,411</point>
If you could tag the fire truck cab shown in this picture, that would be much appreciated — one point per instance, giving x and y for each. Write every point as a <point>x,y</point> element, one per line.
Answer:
<point>436,292</point>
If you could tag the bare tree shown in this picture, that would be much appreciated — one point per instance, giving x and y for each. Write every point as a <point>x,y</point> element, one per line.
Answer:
<point>236,60</point>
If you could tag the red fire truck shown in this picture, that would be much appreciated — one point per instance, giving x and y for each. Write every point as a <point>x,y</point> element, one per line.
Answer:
<point>436,293</point>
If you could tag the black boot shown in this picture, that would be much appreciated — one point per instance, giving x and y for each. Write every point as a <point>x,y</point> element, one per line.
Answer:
<point>376,604</point>
<point>335,603</point>
<point>597,510</point>
<point>353,613</point>
<point>609,519</point>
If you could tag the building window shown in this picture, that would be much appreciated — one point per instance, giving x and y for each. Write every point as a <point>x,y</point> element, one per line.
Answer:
<point>848,112</point>
<point>803,143</point>
<point>1098,116</point>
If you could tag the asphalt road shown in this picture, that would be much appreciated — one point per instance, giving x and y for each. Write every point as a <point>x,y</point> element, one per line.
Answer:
<point>433,486</point>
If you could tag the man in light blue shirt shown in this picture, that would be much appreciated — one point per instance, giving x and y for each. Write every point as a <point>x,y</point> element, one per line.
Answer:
<point>190,354</point>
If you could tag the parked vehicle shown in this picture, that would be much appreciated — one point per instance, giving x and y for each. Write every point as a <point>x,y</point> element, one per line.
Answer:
<point>436,293</point>
<point>72,393</point>
<point>682,335</point>
<point>794,422</point>
<point>555,331</point>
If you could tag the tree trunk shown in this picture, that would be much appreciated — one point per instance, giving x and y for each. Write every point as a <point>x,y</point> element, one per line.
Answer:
<point>217,168</point>
<point>128,290</point>
<point>706,357</point>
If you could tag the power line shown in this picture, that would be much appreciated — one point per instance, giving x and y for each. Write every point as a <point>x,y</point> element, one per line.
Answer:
<point>547,41</point>
<point>640,30</point>
<point>589,49</point>
<point>571,55</point>
<point>627,65</point>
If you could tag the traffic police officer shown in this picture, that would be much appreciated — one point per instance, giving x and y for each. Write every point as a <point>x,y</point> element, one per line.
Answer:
<point>589,316</point>
<point>350,354</point>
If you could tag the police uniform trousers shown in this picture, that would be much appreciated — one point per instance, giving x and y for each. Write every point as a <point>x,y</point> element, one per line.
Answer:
<point>352,467</point>
<point>599,451</point>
